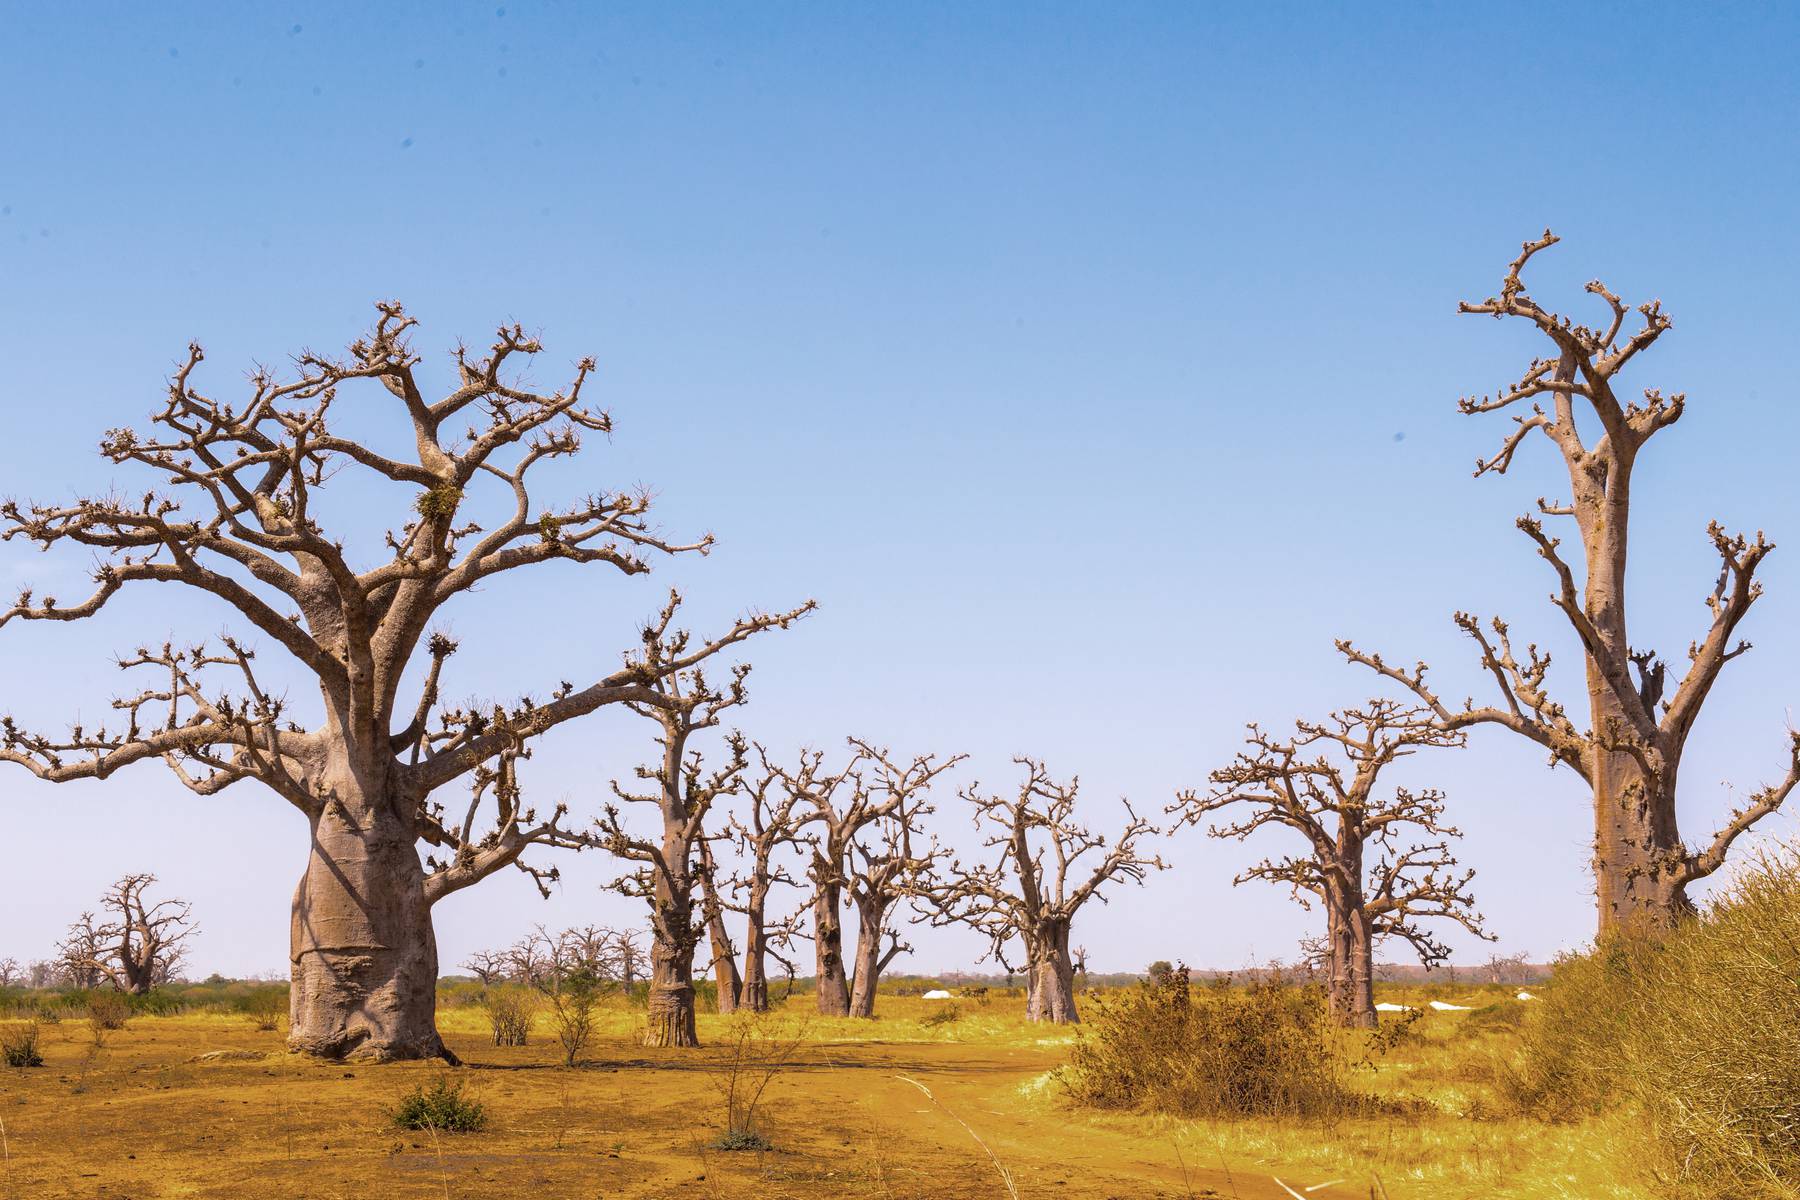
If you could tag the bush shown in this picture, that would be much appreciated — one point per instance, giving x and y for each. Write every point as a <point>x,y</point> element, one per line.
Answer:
<point>19,1045</point>
<point>753,1051</point>
<point>442,1107</point>
<point>266,1008</point>
<point>510,1011</point>
<point>107,1011</point>
<point>1700,1031</point>
<point>947,1015</point>
<point>1163,1047</point>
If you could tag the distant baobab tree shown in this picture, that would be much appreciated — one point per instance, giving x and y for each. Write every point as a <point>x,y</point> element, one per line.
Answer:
<point>668,866</point>
<point>1366,863</point>
<point>1023,895</point>
<point>772,823</point>
<point>137,943</point>
<point>838,807</point>
<point>1630,753</point>
<point>241,520</point>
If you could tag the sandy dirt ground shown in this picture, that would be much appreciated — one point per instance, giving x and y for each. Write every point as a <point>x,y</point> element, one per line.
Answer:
<point>141,1119</point>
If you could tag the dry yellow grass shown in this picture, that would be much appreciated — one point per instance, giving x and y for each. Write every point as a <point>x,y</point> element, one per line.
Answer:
<point>141,1119</point>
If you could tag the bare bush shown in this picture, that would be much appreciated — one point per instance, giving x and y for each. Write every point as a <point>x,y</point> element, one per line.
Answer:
<point>19,1044</point>
<point>510,1013</point>
<point>753,1051</point>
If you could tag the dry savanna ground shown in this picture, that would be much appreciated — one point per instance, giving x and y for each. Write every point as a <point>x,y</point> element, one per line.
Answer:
<point>896,1108</point>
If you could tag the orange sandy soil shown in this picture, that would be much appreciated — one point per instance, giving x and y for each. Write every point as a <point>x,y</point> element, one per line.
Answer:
<point>140,1119</point>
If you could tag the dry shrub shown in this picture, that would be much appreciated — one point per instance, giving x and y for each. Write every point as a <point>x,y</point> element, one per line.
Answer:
<point>1699,1030</point>
<point>510,1011</point>
<point>266,1008</point>
<point>19,1045</point>
<point>949,1014</point>
<point>106,1011</point>
<point>1163,1046</point>
<point>572,998</point>
<point>755,1049</point>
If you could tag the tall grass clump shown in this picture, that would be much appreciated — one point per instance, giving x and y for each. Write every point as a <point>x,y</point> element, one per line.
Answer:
<point>1698,1030</point>
<point>19,1044</point>
<point>1164,1046</point>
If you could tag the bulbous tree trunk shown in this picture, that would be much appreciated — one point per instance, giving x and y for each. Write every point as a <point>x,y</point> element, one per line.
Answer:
<point>364,956</point>
<point>671,1017</point>
<point>1052,985</point>
<point>1351,994</point>
<point>870,918</point>
<point>828,942</point>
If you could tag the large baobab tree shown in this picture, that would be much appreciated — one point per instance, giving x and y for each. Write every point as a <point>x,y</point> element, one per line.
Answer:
<point>670,866</point>
<point>1047,868</point>
<point>1630,752</point>
<point>772,822</point>
<point>238,515</point>
<point>838,807</point>
<point>1366,862</point>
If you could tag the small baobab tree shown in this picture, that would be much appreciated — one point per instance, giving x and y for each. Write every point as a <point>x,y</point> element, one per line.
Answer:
<point>672,864</point>
<point>238,515</point>
<point>1365,862</point>
<point>1048,866</point>
<point>1630,752</point>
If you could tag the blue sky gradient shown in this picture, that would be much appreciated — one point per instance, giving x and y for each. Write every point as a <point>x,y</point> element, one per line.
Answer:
<point>1094,367</point>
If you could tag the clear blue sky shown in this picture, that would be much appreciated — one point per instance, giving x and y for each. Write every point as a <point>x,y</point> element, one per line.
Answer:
<point>1094,366</point>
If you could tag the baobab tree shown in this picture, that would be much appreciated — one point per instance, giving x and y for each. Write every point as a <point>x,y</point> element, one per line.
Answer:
<point>1379,863</point>
<point>683,794</point>
<point>884,869</point>
<point>138,944</point>
<point>240,519</point>
<point>838,807</point>
<point>772,823</point>
<point>1035,898</point>
<point>1630,752</point>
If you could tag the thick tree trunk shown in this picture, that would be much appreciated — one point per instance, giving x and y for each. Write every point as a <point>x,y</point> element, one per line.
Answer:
<point>754,994</point>
<point>1052,986</point>
<point>870,918</point>
<point>671,1019</point>
<point>1637,843</point>
<point>1351,995</point>
<point>828,945</point>
<point>364,957</point>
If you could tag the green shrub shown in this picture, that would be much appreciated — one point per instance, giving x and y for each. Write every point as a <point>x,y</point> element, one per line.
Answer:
<point>442,1107</point>
<point>1262,1050</point>
<point>19,1045</point>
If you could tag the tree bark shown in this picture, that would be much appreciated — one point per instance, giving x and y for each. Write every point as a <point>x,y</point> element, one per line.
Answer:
<point>754,994</point>
<point>870,919</point>
<point>671,1019</point>
<point>364,956</point>
<point>828,943</point>
<point>1052,984</point>
<point>671,1016</point>
<point>1637,842</point>
<point>1352,993</point>
<point>725,968</point>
